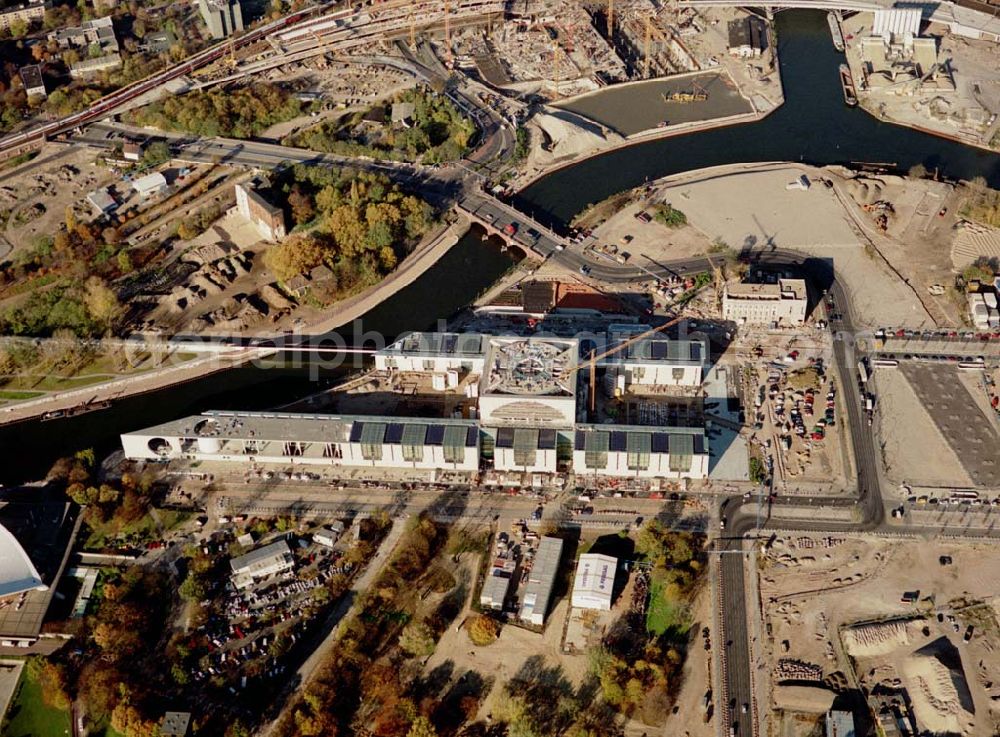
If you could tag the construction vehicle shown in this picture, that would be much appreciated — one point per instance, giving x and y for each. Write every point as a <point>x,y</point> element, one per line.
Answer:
<point>697,94</point>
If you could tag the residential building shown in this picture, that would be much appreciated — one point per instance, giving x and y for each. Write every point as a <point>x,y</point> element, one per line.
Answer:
<point>255,566</point>
<point>635,451</point>
<point>25,13</point>
<point>783,303</point>
<point>593,586</point>
<point>99,32</point>
<point>319,440</point>
<point>268,219</point>
<point>541,581</point>
<point>653,360</point>
<point>34,84</point>
<point>223,17</point>
<point>93,66</point>
<point>328,536</point>
<point>150,185</point>
<point>132,150</point>
<point>747,37</point>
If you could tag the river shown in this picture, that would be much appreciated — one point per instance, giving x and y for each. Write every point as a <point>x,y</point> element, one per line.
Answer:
<point>813,126</point>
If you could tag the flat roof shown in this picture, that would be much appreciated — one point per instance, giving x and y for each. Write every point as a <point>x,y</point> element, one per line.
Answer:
<point>31,75</point>
<point>277,549</point>
<point>615,438</point>
<point>530,367</point>
<point>595,576</point>
<point>784,289</point>
<point>653,347</point>
<point>438,344</point>
<point>271,426</point>
<point>542,578</point>
<point>150,181</point>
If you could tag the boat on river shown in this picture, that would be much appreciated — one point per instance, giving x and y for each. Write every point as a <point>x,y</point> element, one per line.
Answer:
<point>835,32</point>
<point>847,82</point>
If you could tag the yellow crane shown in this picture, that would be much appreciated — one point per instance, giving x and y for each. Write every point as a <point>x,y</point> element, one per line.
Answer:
<point>447,33</point>
<point>595,357</point>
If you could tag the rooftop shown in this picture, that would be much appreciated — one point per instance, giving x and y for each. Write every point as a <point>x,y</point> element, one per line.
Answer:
<point>275,550</point>
<point>595,575</point>
<point>435,344</point>
<point>653,347</point>
<point>618,438</point>
<point>530,367</point>
<point>273,426</point>
<point>784,289</point>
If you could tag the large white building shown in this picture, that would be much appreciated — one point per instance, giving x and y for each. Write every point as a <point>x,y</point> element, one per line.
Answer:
<point>434,352</point>
<point>525,449</point>
<point>783,303</point>
<point>261,563</point>
<point>318,440</point>
<point>594,584</point>
<point>638,451</point>
<point>529,382</point>
<point>653,360</point>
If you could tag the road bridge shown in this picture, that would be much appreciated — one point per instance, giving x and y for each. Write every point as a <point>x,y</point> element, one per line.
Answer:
<point>855,5</point>
<point>510,224</point>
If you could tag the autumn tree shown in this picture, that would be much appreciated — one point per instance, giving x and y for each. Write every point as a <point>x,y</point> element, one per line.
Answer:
<point>483,630</point>
<point>301,204</point>
<point>417,639</point>
<point>294,256</point>
<point>101,302</point>
<point>422,727</point>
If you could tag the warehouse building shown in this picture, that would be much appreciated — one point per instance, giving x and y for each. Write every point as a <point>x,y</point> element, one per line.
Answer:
<point>150,185</point>
<point>783,303</point>
<point>638,451</point>
<point>255,566</point>
<point>541,581</point>
<point>497,584</point>
<point>594,583</point>
<point>653,360</point>
<point>329,440</point>
<point>266,218</point>
<point>433,352</point>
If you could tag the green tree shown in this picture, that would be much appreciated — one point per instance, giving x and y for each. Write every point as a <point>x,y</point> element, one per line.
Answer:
<point>417,639</point>
<point>422,727</point>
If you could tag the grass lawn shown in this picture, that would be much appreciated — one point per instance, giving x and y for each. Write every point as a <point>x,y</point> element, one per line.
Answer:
<point>665,614</point>
<point>29,716</point>
<point>145,528</point>
<point>16,396</point>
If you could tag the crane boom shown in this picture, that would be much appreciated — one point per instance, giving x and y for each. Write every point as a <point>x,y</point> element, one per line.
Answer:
<point>593,359</point>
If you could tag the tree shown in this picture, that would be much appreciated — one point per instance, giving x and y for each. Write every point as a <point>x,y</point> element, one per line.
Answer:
<point>18,28</point>
<point>483,630</point>
<point>417,639</point>
<point>302,206</point>
<point>101,302</point>
<point>422,727</point>
<point>156,153</point>
<point>917,171</point>
<point>293,257</point>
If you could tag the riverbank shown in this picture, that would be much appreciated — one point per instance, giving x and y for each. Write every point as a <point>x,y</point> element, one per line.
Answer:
<point>538,168</point>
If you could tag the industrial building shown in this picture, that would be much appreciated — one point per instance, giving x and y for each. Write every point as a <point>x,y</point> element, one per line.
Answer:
<point>102,201</point>
<point>541,581</point>
<point>328,536</point>
<point>653,360</point>
<point>261,563</point>
<point>634,451</point>
<point>747,37</point>
<point>328,440</point>
<point>497,584</point>
<point>783,303</point>
<point>93,66</point>
<point>268,219</point>
<point>593,586</point>
<point>150,185</point>
<point>222,17</point>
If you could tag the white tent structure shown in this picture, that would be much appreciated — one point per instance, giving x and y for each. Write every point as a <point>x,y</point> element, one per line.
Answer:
<point>17,572</point>
<point>594,582</point>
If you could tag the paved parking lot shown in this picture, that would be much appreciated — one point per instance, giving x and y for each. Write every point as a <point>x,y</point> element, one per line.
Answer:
<point>958,418</point>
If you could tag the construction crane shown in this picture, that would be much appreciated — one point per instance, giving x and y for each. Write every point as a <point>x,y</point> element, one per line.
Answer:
<point>595,357</point>
<point>697,94</point>
<point>611,20</point>
<point>413,31</point>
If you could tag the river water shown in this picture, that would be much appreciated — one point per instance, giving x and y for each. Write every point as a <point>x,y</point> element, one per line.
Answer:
<point>813,126</point>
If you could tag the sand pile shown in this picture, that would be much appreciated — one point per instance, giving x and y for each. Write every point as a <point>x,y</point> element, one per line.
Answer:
<point>939,692</point>
<point>871,640</point>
